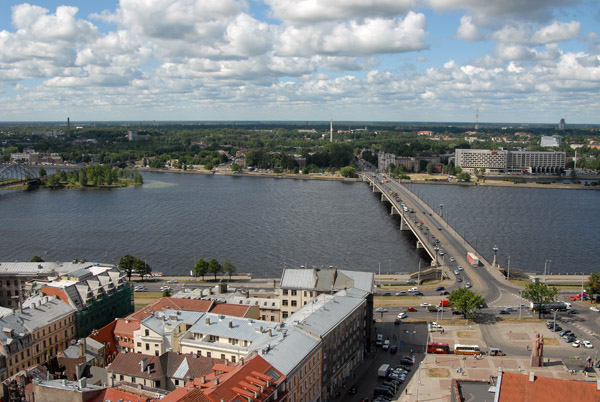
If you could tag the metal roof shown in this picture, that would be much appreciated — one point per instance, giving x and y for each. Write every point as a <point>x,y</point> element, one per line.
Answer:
<point>298,279</point>
<point>327,279</point>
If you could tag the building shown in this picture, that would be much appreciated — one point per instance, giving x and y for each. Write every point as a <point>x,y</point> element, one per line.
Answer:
<point>342,322</point>
<point>76,361</point>
<point>35,335</point>
<point>16,277</point>
<point>515,387</point>
<point>249,380</point>
<point>299,356</point>
<point>410,163</point>
<point>504,161</point>
<point>167,371</point>
<point>562,125</point>
<point>99,293</point>
<point>300,286</point>
<point>550,141</point>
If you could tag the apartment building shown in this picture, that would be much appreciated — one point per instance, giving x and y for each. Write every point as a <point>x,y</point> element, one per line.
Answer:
<point>298,287</point>
<point>35,335</point>
<point>505,161</point>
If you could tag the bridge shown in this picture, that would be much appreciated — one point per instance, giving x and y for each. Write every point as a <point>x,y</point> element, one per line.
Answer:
<point>12,174</point>
<point>435,235</point>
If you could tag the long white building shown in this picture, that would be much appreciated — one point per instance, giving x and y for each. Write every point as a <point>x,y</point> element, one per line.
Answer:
<point>504,161</point>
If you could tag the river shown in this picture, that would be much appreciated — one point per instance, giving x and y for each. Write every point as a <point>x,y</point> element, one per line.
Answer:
<point>263,224</point>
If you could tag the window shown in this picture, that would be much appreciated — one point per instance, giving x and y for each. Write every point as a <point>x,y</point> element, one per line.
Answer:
<point>284,314</point>
<point>147,332</point>
<point>147,346</point>
<point>156,353</point>
<point>284,292</point>
<point>223,356</point>
<point>305,293</point>
<point>294,292</point>
<point>233,359</point>
<point>208,354</point>
<point>294,303</point>
<point>176,382</point>
<point>284,302</point>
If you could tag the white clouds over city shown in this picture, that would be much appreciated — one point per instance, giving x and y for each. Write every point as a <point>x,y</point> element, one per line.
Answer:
<point>395,60</point>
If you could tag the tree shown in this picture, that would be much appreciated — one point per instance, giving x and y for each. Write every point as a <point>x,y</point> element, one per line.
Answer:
<point>82,177</point>
<point>348,171</point>
<point>201,268</point>
<point>229,268</point>
<point>41,172</point>
<point>36,258</point>
<point>214,267</point>
<point>466,301</point>
<point>463,177</point>
<point>593,285</point>
<point>539,293</point>
<point>166,293</point>
<point>142,268</point>
<point>127,265</point>
<point>236,168</point>
<point>429,168</point>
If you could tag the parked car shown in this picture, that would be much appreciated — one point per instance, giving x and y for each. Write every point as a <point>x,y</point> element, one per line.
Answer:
<point>576,344</point>
<point>451,259</point>
<point>564,332</point>
<point>386,344</point>
<point>569,339</point>
<point>460,267</point>
<point>588,344</point>
<point>353,390</point>
<point>459,279</point>
<point>456,272</point>
<point>393,349</point>
<point>468,285</point>
<point>435,324</point>
<point>572,298</point>
<point>557,329</point>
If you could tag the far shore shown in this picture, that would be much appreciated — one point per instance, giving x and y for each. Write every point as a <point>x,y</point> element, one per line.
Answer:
<point>417,178</point>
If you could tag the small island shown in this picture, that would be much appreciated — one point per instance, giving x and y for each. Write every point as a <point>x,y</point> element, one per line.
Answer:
<point>96,176</point>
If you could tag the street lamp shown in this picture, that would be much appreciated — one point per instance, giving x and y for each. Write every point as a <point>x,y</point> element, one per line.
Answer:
<point>494,264</point>
<point>442,211</point>
<point>546,268</point>
<point>508,268</point>
<point>435,249</point>
<point>520,302</point>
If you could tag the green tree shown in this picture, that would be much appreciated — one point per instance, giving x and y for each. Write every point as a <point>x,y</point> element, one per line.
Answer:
<point>201,268</point>
<point>142,268</point>
<point>429,168</point>
<point>229,268</point>
<point>208,166</point>
<point>214,267</point>
<point>463,177</point>
<point>166,293</point>
<point>539,293</point>
<point>236,168</point>
<point>466,301</point>
<point>348,171</point>
<point>37,258</point>
<point>137,178</point>
<point>593,284</point>
<point>41,172</point>
<point>82,177</point>
<point>127,265</point>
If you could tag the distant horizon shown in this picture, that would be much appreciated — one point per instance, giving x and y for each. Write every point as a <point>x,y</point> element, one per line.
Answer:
<point>498,62</point>
<point>301,122</point>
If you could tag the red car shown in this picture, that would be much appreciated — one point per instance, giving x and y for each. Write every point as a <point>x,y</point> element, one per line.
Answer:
<point>410,308</point>
<point>572,298</point>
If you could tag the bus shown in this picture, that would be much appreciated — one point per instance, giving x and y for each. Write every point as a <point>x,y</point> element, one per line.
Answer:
<point>466,349</point>
<point>439,348</point>
<point>548,307</point>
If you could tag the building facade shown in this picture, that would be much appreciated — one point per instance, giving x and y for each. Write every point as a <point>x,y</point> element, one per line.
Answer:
<point>35,335</point>
<point>504,161</point>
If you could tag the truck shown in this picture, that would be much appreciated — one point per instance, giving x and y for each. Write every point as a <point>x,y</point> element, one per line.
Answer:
<point>547,307</point>
<point>384,370</point>
<point>444,303</point>
<point>473,259</point>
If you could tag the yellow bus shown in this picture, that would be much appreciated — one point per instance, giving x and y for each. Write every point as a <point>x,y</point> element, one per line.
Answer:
<point>466,349</point>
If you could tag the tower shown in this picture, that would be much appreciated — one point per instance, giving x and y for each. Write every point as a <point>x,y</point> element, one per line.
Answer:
<point>562,125</point>
<point>68,127</point>
<point>477,120</point>
<point>331,130</point>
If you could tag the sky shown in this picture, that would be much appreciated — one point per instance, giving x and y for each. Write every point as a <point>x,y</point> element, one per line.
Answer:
<point>527,61</point>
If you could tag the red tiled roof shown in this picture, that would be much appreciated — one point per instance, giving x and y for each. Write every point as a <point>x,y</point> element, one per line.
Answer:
<point>112,394</point>
<point>165,365</point>
<point>182,394</point>
<point>106,336</point>
<point>126,326</point>
<point>517,388</point>
<point>234,310</point>
<point>173,303</point>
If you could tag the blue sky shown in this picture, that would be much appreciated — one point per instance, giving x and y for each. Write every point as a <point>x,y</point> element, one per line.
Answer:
<point>384,60</point>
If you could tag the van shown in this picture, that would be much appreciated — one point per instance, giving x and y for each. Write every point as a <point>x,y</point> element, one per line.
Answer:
<point>415,289</point>
<point>496,352</point>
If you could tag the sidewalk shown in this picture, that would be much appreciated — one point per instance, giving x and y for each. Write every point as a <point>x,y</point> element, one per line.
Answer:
<point>438,370</point>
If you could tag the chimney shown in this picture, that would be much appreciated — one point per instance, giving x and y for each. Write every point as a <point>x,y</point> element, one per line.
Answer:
<point>216,381</point>
<point>242,361</point>
<point>81,347</point>
<point>207,320</point>
<point>531,376</point>
<point>111,381</point>
<point>230,324</point>
<point>270,332</point>
<point>247,294</point>
<point>144,364</point>
<point>203,380</point>
<point>83,383</point>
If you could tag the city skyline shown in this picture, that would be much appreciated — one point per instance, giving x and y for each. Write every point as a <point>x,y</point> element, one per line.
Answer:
<point>370,60</point>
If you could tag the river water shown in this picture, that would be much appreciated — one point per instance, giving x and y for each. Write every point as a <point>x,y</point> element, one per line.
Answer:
<point>263,224</point>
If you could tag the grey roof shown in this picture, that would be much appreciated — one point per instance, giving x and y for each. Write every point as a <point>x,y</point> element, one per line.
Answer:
<point>5,311</point>
<point>286,352</point>
<point>326,280</point>
<point>43,268</point>
<point>241,328</point>
<point>326,312</point>
<point>162,322</point>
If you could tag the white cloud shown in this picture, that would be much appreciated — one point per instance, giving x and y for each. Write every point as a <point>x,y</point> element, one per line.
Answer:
<point>311,11</point>
<point>467,30</point>
<point>369,37</point>
<point>557,32</point>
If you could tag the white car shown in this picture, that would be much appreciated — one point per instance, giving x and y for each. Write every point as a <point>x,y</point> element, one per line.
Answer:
<point>596,309</point>
<point>402,314</point>
<point>172,281</point>
<point>163,288</point>
<point>451,259</point>
<point>381,310</point>
<point>414,289</point>
<point>139,288</point>
<point>576,344</point>
<point>386,344</point>
<point>425,304</point>
<point>435,325</point>
<point>588,344</point>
